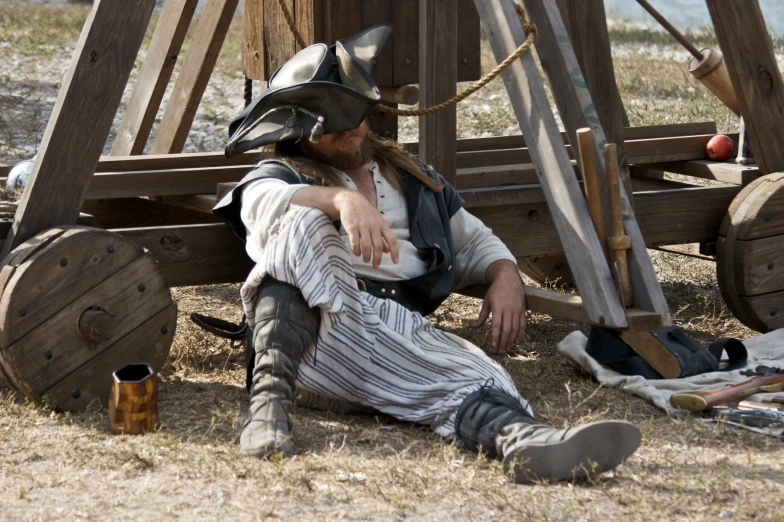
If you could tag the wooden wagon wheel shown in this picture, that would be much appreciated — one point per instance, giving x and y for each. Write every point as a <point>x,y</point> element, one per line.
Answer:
<point>78,303</point>
<point>548,269</point>
<point>750,260</point>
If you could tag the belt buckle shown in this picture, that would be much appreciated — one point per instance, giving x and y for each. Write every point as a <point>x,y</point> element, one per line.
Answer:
<point>361,285</point>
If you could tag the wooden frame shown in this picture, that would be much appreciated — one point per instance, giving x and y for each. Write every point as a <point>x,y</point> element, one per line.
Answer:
<point>524,181</point>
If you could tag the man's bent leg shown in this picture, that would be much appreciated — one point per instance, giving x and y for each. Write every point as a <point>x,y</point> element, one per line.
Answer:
<point>492,421</point>
<point>285,328</point>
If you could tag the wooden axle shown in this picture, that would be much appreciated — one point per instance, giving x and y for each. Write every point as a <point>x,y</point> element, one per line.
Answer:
<point>406,94</point>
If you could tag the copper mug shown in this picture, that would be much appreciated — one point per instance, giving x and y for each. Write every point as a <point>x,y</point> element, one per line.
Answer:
<point>133,402</point>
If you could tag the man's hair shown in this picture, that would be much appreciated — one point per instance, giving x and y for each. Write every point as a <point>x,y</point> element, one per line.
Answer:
<point>389,155</point>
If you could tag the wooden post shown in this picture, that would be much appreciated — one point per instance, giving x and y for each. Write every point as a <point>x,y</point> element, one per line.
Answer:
<point>253,49</point>
<point>553,167</point>
<point>154,76</point>
<point>438,83</point>
<point>192,80</point>
<point>577,110</point>
<point>81,119</point>
<point>755,76</point>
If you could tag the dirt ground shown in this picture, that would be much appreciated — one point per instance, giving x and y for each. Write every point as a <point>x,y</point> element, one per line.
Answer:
<point>370,467</point>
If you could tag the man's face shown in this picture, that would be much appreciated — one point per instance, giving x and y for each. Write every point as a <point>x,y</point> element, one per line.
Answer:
<point>345,150</point>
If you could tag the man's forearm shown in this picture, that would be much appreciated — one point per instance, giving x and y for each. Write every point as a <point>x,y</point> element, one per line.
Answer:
<point>503,269</point>
<point>322,198</point>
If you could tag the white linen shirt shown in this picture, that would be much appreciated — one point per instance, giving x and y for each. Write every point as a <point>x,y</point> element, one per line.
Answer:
<point>266,200</point>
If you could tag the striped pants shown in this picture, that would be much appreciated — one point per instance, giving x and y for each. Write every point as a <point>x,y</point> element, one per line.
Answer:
<point>370,351</point>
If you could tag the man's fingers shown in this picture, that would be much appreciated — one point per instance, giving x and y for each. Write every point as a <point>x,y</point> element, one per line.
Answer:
<point>353,237</point>
<point>521,332</point>
<point>484,313</point>
<point>507,324</point>
<point>378,249</point>
<point>495,331</point>
<point>367,244</point>
<point>390,243</point>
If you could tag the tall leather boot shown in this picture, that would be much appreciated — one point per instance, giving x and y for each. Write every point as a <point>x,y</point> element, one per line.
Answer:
<point>286,327</point>
<point>492,421</point>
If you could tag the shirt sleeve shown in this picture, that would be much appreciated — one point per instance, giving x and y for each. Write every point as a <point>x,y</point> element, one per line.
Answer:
<point>264,202</point>
<point>476,247</point>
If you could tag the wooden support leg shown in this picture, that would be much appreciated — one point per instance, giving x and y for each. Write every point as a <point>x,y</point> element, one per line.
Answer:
<point>154,76</point>
<point>577,110</point>
<point>554,169</point>
<point>81,119</point>
<point>438,83</point>
<point>192,80</point>
<point>756,80</point>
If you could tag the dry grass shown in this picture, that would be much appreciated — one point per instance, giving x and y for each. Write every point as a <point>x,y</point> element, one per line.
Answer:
<point>366,467</point>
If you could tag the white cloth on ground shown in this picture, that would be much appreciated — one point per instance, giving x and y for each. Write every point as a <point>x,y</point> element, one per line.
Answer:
<point>475,246</point>
<point>764,350</point>
<point>370,351</point>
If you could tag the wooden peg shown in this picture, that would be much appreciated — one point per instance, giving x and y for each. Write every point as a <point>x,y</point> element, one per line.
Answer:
<point>591,184</point>
<point>618,242</point>
<point>405,94</point>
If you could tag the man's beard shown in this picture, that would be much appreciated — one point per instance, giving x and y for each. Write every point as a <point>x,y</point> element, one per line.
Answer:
<point>344,161</point>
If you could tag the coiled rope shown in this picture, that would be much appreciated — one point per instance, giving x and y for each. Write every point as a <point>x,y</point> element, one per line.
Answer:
<point>531,32</point>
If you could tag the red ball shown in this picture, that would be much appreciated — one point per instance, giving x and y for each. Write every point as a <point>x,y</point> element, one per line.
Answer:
<point>720,148</point>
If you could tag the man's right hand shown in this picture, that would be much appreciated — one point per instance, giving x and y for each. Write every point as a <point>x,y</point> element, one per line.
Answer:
<point>368,232</point>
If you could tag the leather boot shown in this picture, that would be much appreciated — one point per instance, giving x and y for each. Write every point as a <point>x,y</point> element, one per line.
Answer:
<point>492,421</point>
<point>286,327</point>
<point>535,452</point>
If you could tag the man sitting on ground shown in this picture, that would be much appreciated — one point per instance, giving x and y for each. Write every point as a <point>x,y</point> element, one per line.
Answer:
<point>354,242</point>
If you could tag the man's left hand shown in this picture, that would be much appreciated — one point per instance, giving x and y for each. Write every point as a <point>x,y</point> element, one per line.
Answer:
<point>505,299</point>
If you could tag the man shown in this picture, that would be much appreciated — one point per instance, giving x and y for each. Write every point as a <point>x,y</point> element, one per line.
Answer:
<point>354,243</point>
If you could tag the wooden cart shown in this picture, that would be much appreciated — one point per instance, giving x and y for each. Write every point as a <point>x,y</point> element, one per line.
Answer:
<point>97,242</point>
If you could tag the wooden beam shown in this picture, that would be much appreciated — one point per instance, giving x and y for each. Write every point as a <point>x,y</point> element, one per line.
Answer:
<point>82,117</point>
<point>177,161</point>
<point>577,110</point>
<point>437,84</point>
<point>756,80</point>
<point>724,171</point>
<point>169,182</point>
<point>567,306</point>
<point>140,212</point>
<point>193,77</point>
<point>562,191</point>
<point>153,77</point>
<point>194,254</point>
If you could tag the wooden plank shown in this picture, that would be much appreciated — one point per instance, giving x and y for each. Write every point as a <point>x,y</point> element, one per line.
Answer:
<point>254,59</point>
<point>194,255</point>
<point>192,80</point>
<point>81,118</point>
<point>656,150</point>
<point>759,265</point>
<point>154,77</point>
<point>140,212</point>
<point>567,306</point>
<point>469,55</point>
<point>177,161</point>
<point>197,202</point>
<point>343,19</point>
<point>724,171</point>
<point>562,191</point>
<point>689,215</point>
<point>438,83</point>
<point>279,42</point>
<point>632,133</point>
<point>756,80</point>
<point>162,183</point>
<point>405,41</point>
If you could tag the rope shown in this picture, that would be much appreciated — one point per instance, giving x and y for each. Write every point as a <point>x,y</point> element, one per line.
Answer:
<point>531,32</point>
<point>248,95</point>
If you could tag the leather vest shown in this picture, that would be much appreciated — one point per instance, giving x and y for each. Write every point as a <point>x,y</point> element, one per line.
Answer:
<point>428,214</point>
